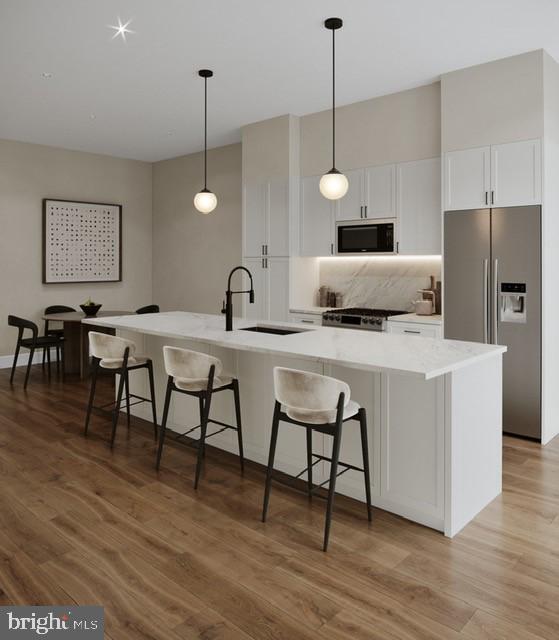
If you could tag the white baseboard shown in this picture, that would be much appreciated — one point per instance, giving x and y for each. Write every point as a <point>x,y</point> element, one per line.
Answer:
<point>23,358</point>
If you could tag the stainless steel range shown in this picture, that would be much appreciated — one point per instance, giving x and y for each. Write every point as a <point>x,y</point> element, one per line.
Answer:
<point>359,318</point>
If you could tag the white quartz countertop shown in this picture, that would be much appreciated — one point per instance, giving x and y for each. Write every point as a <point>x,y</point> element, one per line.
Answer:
<point>367,350</point>
<point>413,317</point>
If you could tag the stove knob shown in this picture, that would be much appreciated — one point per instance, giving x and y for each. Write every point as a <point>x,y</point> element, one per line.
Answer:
<point>365,320</point>
<point>338,318</point>
<point>379,322</point>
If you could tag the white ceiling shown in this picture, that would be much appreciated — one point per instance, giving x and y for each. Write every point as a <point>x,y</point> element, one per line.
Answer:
<point>269,58</point>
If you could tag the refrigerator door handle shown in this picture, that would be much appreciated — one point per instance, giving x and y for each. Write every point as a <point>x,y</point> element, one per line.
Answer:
<point>485,300</point>
<point>495,301</point>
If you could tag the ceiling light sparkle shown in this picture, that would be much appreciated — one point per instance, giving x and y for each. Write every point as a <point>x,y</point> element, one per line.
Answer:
<point>121,30</point>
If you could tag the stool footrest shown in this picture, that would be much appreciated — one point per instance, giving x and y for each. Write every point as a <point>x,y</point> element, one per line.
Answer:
<point>224,426</point>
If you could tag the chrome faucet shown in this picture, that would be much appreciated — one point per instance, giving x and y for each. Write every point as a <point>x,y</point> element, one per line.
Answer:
<point>228,306</point>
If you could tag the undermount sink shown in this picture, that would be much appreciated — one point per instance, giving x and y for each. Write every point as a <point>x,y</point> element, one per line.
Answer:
<point>278,331</point>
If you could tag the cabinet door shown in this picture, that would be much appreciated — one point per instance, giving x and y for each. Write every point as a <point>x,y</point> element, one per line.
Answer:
<point>316,219</point>
<point>380,191</point>
<point>350,207</point>
<point>467,179</point>
<point>277,274</point>
<point>254,219</point>
<point>277,195</point>
<point>419,207</point>
<point>516,174</point>
<point>259,309</point>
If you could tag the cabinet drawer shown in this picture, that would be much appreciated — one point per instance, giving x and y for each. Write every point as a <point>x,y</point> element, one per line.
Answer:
<point>415,329</point>
<point>305,318</point>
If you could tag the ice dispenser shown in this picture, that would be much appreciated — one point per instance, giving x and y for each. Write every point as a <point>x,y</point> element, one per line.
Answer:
<point>513,302</point>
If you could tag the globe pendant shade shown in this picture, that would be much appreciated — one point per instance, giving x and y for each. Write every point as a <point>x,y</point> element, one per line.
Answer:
<point>205,201</point>
<point>333,185</point>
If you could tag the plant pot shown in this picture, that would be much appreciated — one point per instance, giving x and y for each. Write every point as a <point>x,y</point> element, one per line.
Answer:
<point>90,310</point>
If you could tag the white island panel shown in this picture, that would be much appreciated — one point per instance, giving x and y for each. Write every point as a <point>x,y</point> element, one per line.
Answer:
<point>434,416</point>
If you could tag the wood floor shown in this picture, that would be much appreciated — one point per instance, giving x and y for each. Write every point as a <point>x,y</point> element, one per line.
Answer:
<point>79,524</point>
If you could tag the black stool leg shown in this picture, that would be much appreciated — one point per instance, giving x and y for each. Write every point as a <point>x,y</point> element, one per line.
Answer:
<point>164,421</point>
<point>29,363</point>
<point>14,365</point>
<point>91,394</point>
<point>239,424</point>
<point>127,391</point>
<point>202,442</point>
<point>201,408</point>
<point>117,405</point>
<point>48,360</point>
<point>332,484</point>
<point>271,457</point>
<point>309,462</point>
<point>58,359</point>
<point>44,356</point>
<point>152,395</point>
<point>365,447</point>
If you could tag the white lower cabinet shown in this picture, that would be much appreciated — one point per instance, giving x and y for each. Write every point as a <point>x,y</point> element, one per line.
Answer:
<point>415,329</point>
<point>271,289</point>
<point>305,318</point>
<point>412,444</point>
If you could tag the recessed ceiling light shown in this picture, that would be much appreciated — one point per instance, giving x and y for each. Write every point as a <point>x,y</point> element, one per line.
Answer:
<point>170,132</point>
<point>47,75</point>
<point>92,116</point>
<point>121,29</point>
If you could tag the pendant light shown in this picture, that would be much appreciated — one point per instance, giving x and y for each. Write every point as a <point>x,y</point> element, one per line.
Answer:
<point>333,185</point>
<point>205,201</point>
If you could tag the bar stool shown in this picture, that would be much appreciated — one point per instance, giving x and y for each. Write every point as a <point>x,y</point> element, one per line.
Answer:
<point>318,403</point>
<point>198,375</point>
<point>118,356</point>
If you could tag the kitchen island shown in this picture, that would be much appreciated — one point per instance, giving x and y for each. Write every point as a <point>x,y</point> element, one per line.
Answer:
<point>434,406</point>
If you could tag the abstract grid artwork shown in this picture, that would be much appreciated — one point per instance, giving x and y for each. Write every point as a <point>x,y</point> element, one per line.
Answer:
<point>82,241</point>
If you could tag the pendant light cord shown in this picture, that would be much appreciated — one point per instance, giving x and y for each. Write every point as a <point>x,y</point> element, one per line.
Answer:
<point>333,98</point>
<point>205,132</point>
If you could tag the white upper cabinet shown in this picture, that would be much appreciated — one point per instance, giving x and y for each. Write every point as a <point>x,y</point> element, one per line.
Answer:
<point>350,207</point>
<point>371,194</point>
<point>316,220</point>
<point>266,218</point>
<point>380,191</point>
<point>419,207</point>
<point>254,219</point>
<point>502,175</point>
<point>516,174</point>
<point>467,178</point>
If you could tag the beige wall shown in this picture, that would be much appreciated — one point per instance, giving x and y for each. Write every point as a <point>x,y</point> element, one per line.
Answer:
<point>29,173</point>
<point>393,128</point>
<point>492,103</point>
<point>193,253</point>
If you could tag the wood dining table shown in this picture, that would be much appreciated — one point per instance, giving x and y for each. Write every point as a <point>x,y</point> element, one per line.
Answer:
<point>76,340</point>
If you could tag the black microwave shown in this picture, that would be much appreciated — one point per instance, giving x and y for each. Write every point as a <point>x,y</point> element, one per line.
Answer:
<point>365,236</point>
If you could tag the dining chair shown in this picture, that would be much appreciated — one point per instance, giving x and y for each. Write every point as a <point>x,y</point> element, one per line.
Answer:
<point>59,332</point>
<point>150,308</point>
<point>32,343</point>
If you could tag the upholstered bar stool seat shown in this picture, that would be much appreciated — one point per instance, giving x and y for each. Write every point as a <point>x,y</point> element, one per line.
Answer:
<point>323,404</point>
<point>199,375</point>
<point>118,355</point>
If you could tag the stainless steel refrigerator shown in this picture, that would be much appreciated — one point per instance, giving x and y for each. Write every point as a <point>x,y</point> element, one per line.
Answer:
<point>492,294</point>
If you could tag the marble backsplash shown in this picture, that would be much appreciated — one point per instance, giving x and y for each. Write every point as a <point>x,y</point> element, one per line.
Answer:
<point>387,282</point>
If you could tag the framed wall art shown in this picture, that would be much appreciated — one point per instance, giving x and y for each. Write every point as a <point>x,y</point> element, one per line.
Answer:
<point>82,242</point>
